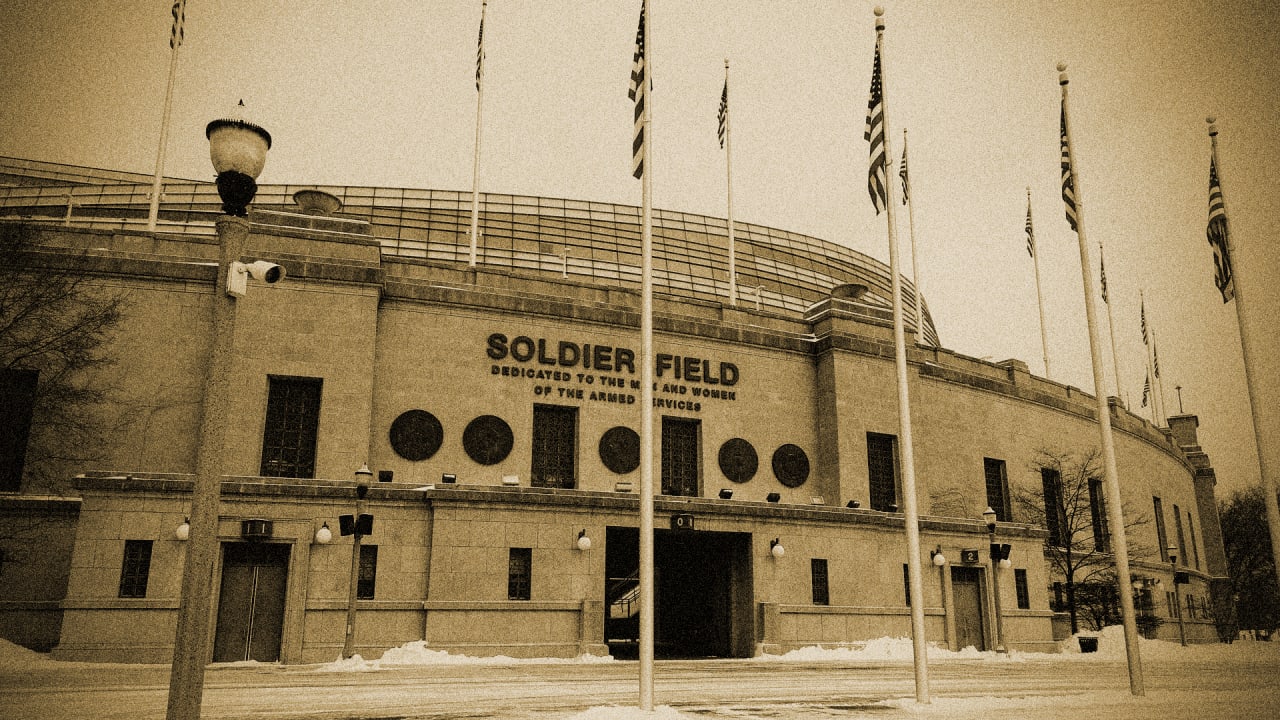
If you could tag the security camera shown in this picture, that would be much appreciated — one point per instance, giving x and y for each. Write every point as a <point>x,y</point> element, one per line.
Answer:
<point>265,271</point>
<point>238,275</point>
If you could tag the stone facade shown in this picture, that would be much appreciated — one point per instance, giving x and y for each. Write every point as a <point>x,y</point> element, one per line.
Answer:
<point>386,335</point>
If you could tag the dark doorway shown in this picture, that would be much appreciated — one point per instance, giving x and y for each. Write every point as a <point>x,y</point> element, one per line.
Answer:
<point>966,589</point>
<point>702,593</point>
<point>251,602</point>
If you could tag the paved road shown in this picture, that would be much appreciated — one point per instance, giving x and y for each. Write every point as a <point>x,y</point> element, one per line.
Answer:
<point>703,689</point>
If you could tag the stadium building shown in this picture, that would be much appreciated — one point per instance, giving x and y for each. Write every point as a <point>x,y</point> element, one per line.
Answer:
<point>497,408</point>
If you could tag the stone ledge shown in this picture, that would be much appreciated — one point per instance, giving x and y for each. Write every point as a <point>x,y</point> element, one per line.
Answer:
<point>503,605</point>
<point>853,610</point>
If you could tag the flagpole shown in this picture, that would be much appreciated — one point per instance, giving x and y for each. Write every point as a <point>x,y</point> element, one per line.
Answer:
<point>475,162</point>
<point>1035,262</point>
<point>647,609</point>
<point>1251,351</point>
<point>728,171</point>
<point>910,202</point>
<point>175,40</point>
<point>1146,345</point>
<point>1111,323</point>
<point>1115,513</point>
<point>911,517</point>
<point>1158,383</point>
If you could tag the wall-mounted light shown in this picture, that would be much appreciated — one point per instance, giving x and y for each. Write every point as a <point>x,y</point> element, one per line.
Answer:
<point>324,535</point>
<point>776,549</point>
<point>938,558</point>
<point>584,542</point>
<point>853,504</point>
<point>772,497</point>
<point>183,531</point>
<point>726,493</point>
<point>448,478</point>
<point>1005,563</point>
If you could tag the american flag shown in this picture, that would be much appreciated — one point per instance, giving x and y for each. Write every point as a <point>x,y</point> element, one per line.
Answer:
<point>179,17</point>
<point>1031,236</point>
<point>1217,233</point>
<point>636,93</point>
<point>1102,262</point>
<point>1068,184</point>
<point>724,111</point>
<point>1146,389</point>
<point>480,49</point>
<point>1142,318</point>
<point>875,135</point>
<point>902,171</point>
<point>1155,358</point>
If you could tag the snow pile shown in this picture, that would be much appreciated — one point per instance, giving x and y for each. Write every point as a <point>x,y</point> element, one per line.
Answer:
<point>1111,648</point>
<point>660,712</point>
<point>417,653</point>
<point>885,649</point>
<point>16,656</point>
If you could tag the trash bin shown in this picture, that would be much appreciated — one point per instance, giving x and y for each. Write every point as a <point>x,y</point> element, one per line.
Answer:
<point>1088,644</point>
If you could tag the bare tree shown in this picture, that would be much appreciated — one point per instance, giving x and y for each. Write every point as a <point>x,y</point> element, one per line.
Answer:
<point>1071,505</point>
<point>55,323</point>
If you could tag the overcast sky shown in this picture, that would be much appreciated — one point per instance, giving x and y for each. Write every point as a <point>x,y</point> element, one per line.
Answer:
<point>382,93</point>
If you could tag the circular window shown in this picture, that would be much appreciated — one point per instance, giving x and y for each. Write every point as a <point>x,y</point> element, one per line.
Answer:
<point>620,449</point>
<point>487,439</point>
<point>416,435</point>
<point>738,460</point>
<point>791,465</point>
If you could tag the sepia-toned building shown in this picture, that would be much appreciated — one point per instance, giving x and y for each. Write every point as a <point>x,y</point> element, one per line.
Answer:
<point>498,406</point>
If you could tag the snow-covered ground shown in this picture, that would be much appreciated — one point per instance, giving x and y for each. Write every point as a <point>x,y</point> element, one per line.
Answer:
<point>1204,682</point>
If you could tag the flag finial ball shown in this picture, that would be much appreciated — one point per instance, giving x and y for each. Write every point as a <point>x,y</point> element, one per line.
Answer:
<point>1062,67</point>
<point>879,11</point>
<point>1211,120</point>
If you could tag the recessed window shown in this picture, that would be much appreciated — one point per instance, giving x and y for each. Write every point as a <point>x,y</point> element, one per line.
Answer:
<point>818,569</point>
<point>1098,516</point>
<point>17,402</point>
<point>680,455</point>
<point>289,434</point>
<point>1055,520</point>
<point>1020,586</point>
<point>135,568</point>
<point>368,574</point>
<point>882,471</point>
<point>555,446</point>
<point>1182,541</point>
<point>997,488</point>
<point>519,573</point>
<point>1162,537</point>
<point>1191,535</point>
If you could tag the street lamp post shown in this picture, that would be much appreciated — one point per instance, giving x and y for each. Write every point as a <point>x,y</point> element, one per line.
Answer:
<point>1177,598</point>
<point>998,558</point>
<point>238,150</point>
<point>357,527</point>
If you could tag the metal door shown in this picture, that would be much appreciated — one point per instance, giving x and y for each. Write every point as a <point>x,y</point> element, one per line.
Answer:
<point>966,590</point>
<point>251,602</point>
